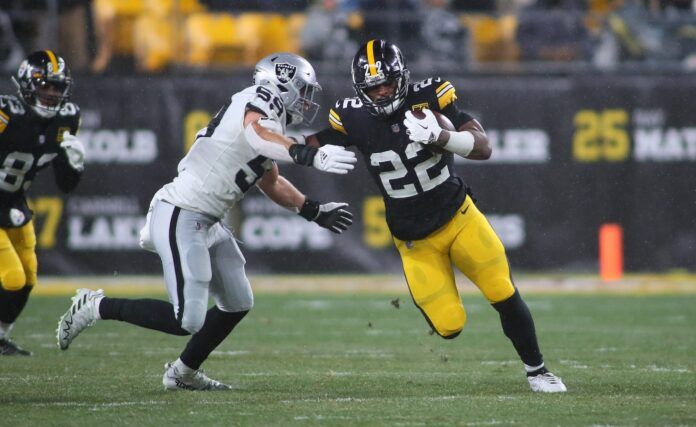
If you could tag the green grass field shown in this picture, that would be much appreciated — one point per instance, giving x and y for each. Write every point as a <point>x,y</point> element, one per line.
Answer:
<point>341,359</point>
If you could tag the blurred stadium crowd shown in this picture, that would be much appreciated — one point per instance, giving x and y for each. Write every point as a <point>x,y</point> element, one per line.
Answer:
<point>154,36</point>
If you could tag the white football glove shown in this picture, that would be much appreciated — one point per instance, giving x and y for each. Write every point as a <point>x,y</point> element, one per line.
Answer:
<point>426,130</point>
<point>74,150</point>
<point>334,159</point>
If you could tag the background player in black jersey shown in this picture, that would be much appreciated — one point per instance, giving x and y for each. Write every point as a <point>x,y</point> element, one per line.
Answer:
<point>430,213</point>
<point>37,128</point>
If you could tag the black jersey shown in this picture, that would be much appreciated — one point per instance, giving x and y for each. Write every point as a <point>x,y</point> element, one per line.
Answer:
<point>29,143</point>
<point>420,189</point>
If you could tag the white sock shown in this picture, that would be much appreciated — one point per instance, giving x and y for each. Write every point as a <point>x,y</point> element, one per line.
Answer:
<point>528,368</point>
<point>181,366</point>
<point>97,301</point>
<point>5,329</point>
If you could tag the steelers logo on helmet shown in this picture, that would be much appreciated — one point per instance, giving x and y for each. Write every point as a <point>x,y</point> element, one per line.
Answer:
<point>379,62</point>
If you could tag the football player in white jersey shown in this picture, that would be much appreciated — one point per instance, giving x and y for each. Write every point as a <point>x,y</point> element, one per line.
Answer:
<point>200,257</point>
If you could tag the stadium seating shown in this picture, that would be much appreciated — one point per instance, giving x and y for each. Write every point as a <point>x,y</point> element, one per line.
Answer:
<point>156,44</point>
<point>116,19</point>
<point>492,39</point>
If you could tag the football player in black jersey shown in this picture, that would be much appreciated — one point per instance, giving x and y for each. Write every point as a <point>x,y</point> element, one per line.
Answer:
<point>429,209</point>
<point>37,129</point>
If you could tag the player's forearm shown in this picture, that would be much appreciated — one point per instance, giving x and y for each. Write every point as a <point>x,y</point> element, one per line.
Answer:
<point>282,192</point>
<point>461,142</point>
<point>268,143</point>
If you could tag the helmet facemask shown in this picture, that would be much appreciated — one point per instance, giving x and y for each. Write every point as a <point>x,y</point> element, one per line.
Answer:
<point>298,96</point>
<point>385,106</point>
<point>45,88</point>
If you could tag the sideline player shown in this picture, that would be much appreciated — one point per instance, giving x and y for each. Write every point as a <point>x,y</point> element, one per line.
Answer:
<point>37,129</point>
<point>429,209</point>
<point>199,254</point>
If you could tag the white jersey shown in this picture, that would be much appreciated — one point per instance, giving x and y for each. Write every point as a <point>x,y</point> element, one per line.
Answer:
<point>221,165</point>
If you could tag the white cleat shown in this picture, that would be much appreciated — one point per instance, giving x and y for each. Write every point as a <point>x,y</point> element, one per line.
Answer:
<point>173,379</point>
<point>547,383</point>
<point>82,314</point>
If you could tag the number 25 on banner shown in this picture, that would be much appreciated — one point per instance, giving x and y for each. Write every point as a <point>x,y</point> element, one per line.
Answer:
<point>601,136</point>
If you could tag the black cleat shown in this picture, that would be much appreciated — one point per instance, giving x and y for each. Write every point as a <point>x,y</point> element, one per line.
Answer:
<point>9,348</point>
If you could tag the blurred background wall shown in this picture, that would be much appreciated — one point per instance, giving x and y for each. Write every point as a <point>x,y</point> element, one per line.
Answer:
<point>588,104</point>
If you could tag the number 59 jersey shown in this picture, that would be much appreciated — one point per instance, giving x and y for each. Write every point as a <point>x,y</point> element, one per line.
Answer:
<point>221,165</point>
<point>420,189</point>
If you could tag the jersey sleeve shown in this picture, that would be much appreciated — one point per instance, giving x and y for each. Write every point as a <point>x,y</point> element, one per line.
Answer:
<point>66,177</point>
<point>336,133</point>
<point>445,99</point>
<point>267,103</point>
<point>75,120</point>
<point>4,121</point>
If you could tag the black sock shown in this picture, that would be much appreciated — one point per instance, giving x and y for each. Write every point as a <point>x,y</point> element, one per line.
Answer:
<point>148,313</point>
<point>518,326</point>
<point>218,324</point>
<point>12,303</point>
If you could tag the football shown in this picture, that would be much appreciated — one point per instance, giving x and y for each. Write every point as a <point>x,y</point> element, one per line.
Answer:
<point>444,123</point>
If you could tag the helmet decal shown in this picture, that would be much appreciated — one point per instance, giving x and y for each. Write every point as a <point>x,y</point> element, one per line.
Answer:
<point>285,72</point>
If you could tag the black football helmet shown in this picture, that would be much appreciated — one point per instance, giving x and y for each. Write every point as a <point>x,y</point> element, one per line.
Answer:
<point>44,82</point>
<point>378,62</point>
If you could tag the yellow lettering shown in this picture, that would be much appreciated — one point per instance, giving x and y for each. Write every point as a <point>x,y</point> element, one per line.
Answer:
<point>48,210</point>
<point>376,233</point>
<point>193,122</point>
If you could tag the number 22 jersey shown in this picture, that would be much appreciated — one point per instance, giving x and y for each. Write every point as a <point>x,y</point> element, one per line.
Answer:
<point>420,189</point>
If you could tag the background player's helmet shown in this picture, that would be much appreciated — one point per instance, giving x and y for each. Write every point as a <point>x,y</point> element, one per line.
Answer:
<point>41,70</point>
<point>378,62</point>
<point>295,79</point>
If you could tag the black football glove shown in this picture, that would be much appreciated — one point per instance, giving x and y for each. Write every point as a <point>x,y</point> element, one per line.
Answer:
<point>331,216</point>
<point>302,154</point>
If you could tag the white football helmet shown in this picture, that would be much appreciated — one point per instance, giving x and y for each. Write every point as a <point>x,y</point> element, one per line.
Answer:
<point>295,79</point>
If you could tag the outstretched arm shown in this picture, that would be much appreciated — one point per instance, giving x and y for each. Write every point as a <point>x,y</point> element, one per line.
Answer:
<point>266,137</point>
<point>331,216</point>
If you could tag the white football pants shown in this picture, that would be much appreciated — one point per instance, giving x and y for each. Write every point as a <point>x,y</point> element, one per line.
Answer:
<point>199,256</point>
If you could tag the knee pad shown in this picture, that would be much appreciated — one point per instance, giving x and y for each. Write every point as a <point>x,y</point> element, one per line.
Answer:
<point>13,279</point>
<point>194,315</point>
<point>30,264</point>
<point>197,267</point>
<point>448,321</point>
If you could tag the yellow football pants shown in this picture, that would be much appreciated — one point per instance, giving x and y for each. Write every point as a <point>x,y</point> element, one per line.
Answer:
<point>18,263</point>
<point>469,242</point>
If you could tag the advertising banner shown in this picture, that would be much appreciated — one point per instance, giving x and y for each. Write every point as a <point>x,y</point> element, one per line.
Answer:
<point>569,154</point>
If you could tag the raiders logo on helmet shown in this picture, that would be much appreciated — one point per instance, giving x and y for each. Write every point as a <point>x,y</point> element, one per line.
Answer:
<point>285,72</point>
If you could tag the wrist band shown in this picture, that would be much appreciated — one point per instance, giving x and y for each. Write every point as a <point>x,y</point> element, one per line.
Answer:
<point>461,143</point>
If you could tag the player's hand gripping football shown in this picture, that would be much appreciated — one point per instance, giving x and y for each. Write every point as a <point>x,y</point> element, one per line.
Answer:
<point>329,158</point>
<point>425,130</point>
<point>74,150</point>
<point>331,216</point>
